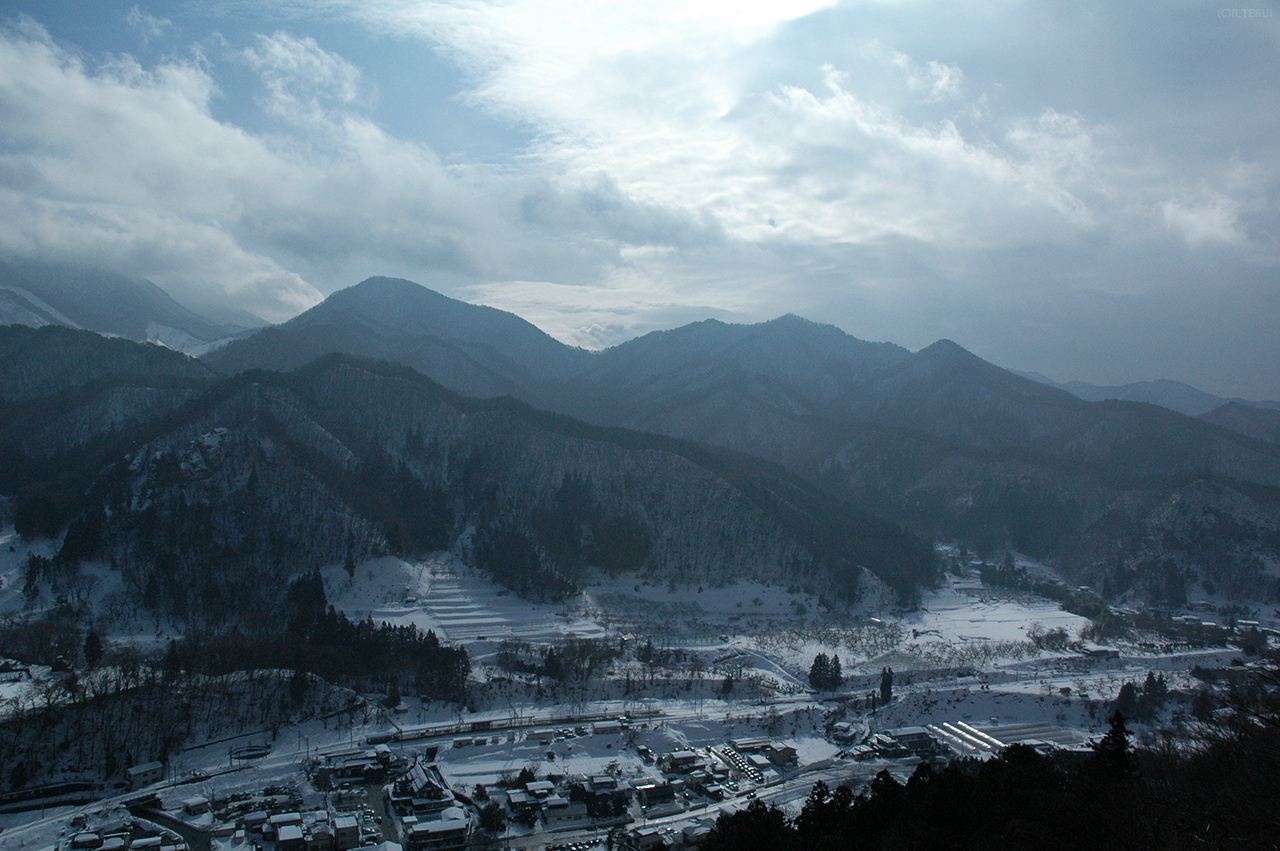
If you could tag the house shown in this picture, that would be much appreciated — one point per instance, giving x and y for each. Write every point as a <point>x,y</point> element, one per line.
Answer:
<point>195,806</point>
<point>781,754</point>
<point>289,838</point>
<point>255,820</point>
<point>556,810</point>
<point>540,789</point>
<point>144,775</point>
<point>695,834</point>
<point>520,802</point>
<point>749,745</point>
<point>603,783</point>
<point>918,740</point>
<point>652,792</point>
<point>680,761</point>
<point>346,833</point>
<point>642,839</point>
<point>450,832</point>
<point>422,792</point>
<point>320,838</point>
<point>844,733</point>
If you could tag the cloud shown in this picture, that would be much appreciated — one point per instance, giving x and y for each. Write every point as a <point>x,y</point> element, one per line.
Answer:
<point>125,164</point>
<point>1211,218</point>
<point>671,108</point>
<point>910,169</point>
<point>148,27</point>
<point>303,81</point>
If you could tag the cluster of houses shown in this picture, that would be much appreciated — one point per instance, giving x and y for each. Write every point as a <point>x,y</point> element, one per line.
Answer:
<point>137,835</point>
<point>275,818</point>
<point>368,766</point>
<point>651,838</point>
<point>318,830</point>
<point>541,798</point>
<point>712,773</point>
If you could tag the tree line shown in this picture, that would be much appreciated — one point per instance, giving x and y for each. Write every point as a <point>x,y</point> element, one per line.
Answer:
<point>1214,789</point>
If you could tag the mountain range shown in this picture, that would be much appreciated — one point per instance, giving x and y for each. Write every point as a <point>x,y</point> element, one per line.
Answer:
<point>208,494</point>
<point>1173,395</point>
<point>827,455</point>
<point>1124,494</point>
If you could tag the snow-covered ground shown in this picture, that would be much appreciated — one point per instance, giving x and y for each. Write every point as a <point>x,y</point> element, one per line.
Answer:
<point>964,655</point>
<point>956,615</point>
<point>446,596</point>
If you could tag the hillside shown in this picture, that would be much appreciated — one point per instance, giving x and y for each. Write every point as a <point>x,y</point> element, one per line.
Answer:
<point>208,508</point>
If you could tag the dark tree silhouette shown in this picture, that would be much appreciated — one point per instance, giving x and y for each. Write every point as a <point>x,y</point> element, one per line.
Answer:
<point>1114,753</point>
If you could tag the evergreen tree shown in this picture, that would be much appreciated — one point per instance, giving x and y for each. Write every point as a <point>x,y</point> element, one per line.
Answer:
<point>491,818</point>
<point>93,649</point>
<point>1202,706</point>
<point>820,672</point>
<point>299,685</point>
<point>1114,753</point>
<point>886,685</point>
<point>835,678</point>
<point>1127,700</point>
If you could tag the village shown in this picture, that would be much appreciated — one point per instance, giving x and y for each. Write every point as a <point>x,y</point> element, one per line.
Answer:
<point>421,798</point>
<point>718,723</point>
<point>673,729</point>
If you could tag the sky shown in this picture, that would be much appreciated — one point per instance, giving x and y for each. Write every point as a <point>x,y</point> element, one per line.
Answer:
<point>1087,190</point>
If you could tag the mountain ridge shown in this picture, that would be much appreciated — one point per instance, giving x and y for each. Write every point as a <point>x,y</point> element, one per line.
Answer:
<point>939,438</point>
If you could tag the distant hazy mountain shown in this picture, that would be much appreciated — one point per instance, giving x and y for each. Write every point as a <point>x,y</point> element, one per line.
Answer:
<point>1262,423</point>
<point>1173,395</point>
<point>1118,492</point>
<point>48,293</point>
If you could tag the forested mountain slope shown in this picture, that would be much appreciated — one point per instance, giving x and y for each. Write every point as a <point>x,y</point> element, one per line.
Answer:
<point>208,508</point>
<point>1124,495</point>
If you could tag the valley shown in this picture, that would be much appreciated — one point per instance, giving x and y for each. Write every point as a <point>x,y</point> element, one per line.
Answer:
<point>698,671</point>
<point>407,570</point>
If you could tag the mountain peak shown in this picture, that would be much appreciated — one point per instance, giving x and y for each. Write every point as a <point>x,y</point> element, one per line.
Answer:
<point>945,347</point>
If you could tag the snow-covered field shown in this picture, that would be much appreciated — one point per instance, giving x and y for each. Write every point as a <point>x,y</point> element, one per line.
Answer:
<point>446,596</point>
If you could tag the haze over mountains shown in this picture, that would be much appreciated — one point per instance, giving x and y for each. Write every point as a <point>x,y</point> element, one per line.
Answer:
<point>1131,498</point>
<point>43,293</point>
